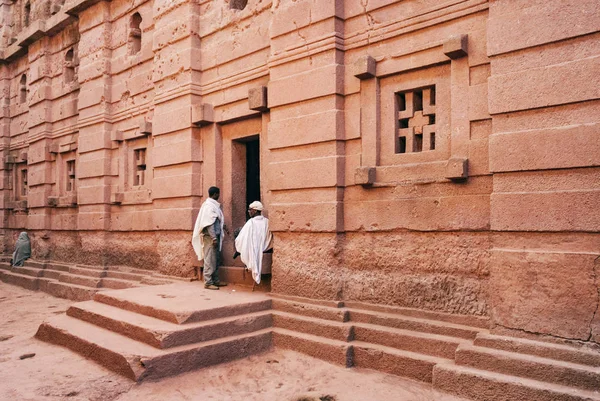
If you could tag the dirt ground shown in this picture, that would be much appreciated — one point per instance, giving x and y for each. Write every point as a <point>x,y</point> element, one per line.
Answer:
<point>55,373</point>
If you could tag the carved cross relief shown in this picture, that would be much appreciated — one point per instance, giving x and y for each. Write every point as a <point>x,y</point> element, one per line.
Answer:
<point>416,120</point>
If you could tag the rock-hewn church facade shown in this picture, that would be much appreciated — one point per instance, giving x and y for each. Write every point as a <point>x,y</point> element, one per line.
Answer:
<point>440,155</point>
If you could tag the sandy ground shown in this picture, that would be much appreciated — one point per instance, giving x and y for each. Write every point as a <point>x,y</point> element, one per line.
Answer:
<point>55,373</point>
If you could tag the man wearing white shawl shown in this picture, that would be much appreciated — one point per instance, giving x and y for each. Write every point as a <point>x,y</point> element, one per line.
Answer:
<point>254,238</point>
<point>207,238</point>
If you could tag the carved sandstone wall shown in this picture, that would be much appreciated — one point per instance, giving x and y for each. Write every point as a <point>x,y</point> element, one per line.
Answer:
<point>436,155</point>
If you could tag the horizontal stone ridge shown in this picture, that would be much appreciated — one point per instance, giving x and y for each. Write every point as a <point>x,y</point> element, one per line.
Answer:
<point>76,280</point>
<point>408,340</point>
<point>114,298</point>
<point>313,326</point>
<point>394,361</point>
<point>529,366</point>
<point>465,320</point>
<point>162,334</point>
<point>310,310</point>
<point>481,385</point>
<point>334,351</point>
<point>561,352</point>
<point>415,324</point>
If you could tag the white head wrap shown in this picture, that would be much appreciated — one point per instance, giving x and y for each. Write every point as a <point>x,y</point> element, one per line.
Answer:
<point>256,205</point>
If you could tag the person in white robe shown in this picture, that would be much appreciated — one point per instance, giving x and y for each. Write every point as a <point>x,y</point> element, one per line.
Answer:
<point>254,239</point>
<point>207,238</point>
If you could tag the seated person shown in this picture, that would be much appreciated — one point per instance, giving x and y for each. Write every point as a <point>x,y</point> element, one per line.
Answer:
<point>253,240</point>
<point>22,250</point>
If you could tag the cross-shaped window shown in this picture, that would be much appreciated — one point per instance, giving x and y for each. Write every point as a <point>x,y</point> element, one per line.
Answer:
<point>70,175</point>
<point>416,120</point>
<point>140,167</point>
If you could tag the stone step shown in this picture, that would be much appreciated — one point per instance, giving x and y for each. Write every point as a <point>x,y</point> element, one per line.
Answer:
<point>464,320</point>
<point>413,324</point>
<point>319,302</point>
<point>43,283</point>
<point>124,275</point>
<point>334,351</point>
<point>73,292</point>
<point>173,305</point>
<point>394,361</point>
<point>240,277</point>
<point>84,281</point>
<point>5,266</point>
<point>38,264</point>
<point>169,278</point>
<point>567,353</point>
<point>139,361</point>
<point>58,266</point>
<point>424,343</point>
<point>310,310</point>
<point>91,267</point>
<point>314,326</point>
<point>27,271</point>
<point>50,273</point>
<point>21,280</point>
<point>118,284</point>
<point>127,269</point>
<point>84,271</point>
<point>161,334</point>
<point>529,366</point>
<point>480,385</point>
<point>150,280</point>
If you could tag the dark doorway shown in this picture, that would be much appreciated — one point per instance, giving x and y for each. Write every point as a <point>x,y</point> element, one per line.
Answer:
<point>252,171</point>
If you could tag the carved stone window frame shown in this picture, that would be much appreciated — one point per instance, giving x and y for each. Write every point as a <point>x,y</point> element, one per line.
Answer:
<point>128,142</point>
<point>63,154</point>
<point>381,80</point>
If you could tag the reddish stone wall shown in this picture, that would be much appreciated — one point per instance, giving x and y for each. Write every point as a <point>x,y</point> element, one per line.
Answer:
<point>426,155</point>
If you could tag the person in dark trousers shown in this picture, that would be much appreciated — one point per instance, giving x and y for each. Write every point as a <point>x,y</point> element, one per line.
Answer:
<point>207,238</point>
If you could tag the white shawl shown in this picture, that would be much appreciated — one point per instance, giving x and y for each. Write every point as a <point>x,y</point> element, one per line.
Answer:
<point>251,242</point>
<point>209,212</point>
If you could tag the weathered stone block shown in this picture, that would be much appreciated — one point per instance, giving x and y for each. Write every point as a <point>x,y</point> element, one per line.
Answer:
<point>523,284</point>
<point>456,46</point>
<point>457,169</point>
<point>365,176</point>
<point>365,67</point>
<point>257,99</point>
<point>145,127</point>
<point>116,198</point>
<point>202,114</point>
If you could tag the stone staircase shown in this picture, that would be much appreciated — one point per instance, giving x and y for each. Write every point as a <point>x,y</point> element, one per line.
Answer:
<point>75,282</point>
<point>152,332</point>
<point>457,354</point>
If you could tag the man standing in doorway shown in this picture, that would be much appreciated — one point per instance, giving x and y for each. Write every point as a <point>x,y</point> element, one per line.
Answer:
<point>254,239</point>
<point>207,238</point>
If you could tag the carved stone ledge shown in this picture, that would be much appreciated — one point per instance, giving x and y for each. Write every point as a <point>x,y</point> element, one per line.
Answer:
<point>456,46</point>
<point>365,67</point>
<point>365,176</point>
<point>457,169</point>
<point>258,99</point>
<point>116,198</point>
<point>202,114</point>
<point>67,201</point>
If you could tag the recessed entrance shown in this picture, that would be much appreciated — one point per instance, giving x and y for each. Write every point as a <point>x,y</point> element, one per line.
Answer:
<point>252,171</point>
<point>245,182</point>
